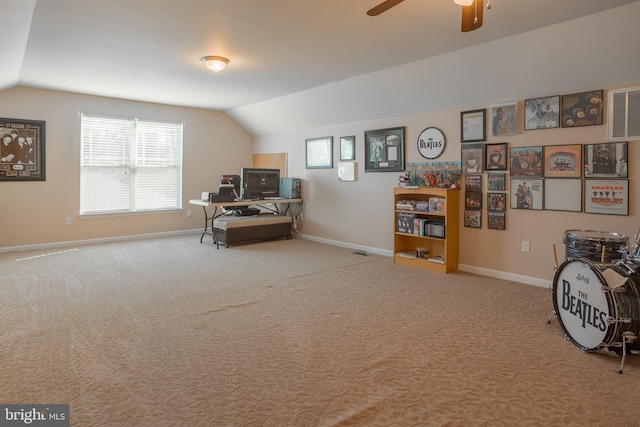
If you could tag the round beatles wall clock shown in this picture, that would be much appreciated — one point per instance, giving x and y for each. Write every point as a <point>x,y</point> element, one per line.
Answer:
<point>431,143</point>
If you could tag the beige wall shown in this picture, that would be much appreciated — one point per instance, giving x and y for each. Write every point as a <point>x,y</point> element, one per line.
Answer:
<point>34,213</point>
<point>360,214</point>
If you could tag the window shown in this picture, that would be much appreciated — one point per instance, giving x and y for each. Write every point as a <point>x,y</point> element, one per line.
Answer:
<point>624,114</point>
<point>129,165</point>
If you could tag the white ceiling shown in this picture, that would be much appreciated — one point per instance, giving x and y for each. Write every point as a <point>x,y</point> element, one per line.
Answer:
<point>149,50</point>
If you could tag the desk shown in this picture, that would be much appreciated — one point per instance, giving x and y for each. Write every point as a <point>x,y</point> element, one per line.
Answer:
<point>272,205</point>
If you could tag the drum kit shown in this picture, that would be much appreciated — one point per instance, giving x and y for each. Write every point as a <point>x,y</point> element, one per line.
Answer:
<point>596,291</point>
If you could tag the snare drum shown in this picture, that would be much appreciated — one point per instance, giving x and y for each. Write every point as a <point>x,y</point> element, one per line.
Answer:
<point>589,244</point>
<point>598,304</point>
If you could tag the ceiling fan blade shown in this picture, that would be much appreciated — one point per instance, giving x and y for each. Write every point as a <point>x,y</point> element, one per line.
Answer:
<point>383,7</point>
<point>472,16</point>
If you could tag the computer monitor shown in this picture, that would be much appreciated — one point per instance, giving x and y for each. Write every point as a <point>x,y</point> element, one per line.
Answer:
<point>258,183</point>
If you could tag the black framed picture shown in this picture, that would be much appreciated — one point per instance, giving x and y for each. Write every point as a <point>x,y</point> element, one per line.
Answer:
<point>496,181</point>
<point>582,109</point>
<point>473,200</point>
<point>473,182</point>
<point>384,150</point>
<point>473,125</point>
<point>542,113</point>
<point>496,220</point>
<point>608,160</point>
<point>473,219</point>
<point>496,202</point>
<point>526,194</point>
<point>472,156</point>
<point>526,161</point>
<point>563,161</point>
<point>606,196</point>
<point>22,150</point>
<point>496,156</point>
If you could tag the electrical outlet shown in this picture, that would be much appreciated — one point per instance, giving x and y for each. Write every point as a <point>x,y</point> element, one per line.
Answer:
<point>189,212</point>
<point>68,220</point>
<point>525,246</point>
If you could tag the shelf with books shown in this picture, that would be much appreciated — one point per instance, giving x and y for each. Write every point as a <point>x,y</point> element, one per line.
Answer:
<point>427,219</point>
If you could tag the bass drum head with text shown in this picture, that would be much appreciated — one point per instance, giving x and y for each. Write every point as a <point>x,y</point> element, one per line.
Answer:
<point>581,306</point>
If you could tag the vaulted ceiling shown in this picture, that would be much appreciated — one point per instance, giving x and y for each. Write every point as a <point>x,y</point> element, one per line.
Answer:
<point>149,50</point>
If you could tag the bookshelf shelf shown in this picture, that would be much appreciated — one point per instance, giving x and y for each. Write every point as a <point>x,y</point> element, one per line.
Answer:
<point>426,220</point>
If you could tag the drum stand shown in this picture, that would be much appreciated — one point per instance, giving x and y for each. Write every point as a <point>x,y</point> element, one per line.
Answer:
<point>555,268</point>
<point>625,336</point>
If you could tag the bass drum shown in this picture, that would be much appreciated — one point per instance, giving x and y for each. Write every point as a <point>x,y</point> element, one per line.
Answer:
<point>598,304</point>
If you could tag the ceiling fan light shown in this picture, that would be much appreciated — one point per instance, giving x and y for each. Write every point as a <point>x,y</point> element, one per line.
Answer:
<point>463,2</point>
<point>215,63</point>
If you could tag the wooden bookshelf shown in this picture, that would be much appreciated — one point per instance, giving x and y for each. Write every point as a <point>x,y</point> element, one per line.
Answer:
<point>435,229</point>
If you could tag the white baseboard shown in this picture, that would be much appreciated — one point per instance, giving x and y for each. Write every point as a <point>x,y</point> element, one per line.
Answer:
<point>99,240</point>
<point>462,267</point>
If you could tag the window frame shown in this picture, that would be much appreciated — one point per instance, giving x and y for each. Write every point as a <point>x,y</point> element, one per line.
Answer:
<point>132,154</point>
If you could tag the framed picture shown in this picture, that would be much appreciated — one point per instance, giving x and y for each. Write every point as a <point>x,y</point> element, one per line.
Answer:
<point>384,150</point>
<point>22,149</point>
<point>582,109</point>
<point>504,118</point>
<point>563,194</point>
<point>473,200</point>
<point>472,125</point>
<point>473,219</point>
<point>563,161</point>
<point>473,182</point>
<point>605,160</point>
<point>542,113</point>
<point>495,156</point>
<point>496,202</point>
<point>496,181</point>
<point>526,161</point>
<point>319,153</point>
<point>496,220</point>
<point>347,148</point>
<point>604,196</point>
<point>472,158</point>
<point>526,194</point>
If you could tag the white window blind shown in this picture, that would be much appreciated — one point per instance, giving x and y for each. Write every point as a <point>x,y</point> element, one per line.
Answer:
<point>129,165</point>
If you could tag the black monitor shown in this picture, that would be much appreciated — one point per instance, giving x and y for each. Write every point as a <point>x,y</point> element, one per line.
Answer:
<point>258,183</point>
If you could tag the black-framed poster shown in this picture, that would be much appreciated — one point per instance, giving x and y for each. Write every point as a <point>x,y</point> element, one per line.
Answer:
<point>384,150</point>
<point>22,150</point>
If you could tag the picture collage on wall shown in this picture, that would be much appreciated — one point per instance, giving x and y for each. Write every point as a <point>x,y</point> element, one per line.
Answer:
<point>590,178</point>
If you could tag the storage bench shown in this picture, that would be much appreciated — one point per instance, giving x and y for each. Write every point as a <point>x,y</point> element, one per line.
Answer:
<point>234,229</point>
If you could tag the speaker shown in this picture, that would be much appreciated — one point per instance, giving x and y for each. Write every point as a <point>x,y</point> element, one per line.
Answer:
<point>290,188</point>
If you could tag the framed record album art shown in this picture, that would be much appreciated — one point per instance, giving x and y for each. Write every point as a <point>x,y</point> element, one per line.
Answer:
<point>526,194</point>
<point>607,160</point>
<point>542,113</point>
<point>563,161</point>
<point>473,219</point>
<point>22,149</point>
<point>606,196</point>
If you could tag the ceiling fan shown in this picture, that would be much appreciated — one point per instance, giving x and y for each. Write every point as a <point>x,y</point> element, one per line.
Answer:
<point>471,11</point>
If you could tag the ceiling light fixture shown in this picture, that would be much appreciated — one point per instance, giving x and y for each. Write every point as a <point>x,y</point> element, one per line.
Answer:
<point>463,2</point>
<point>215,63</point>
